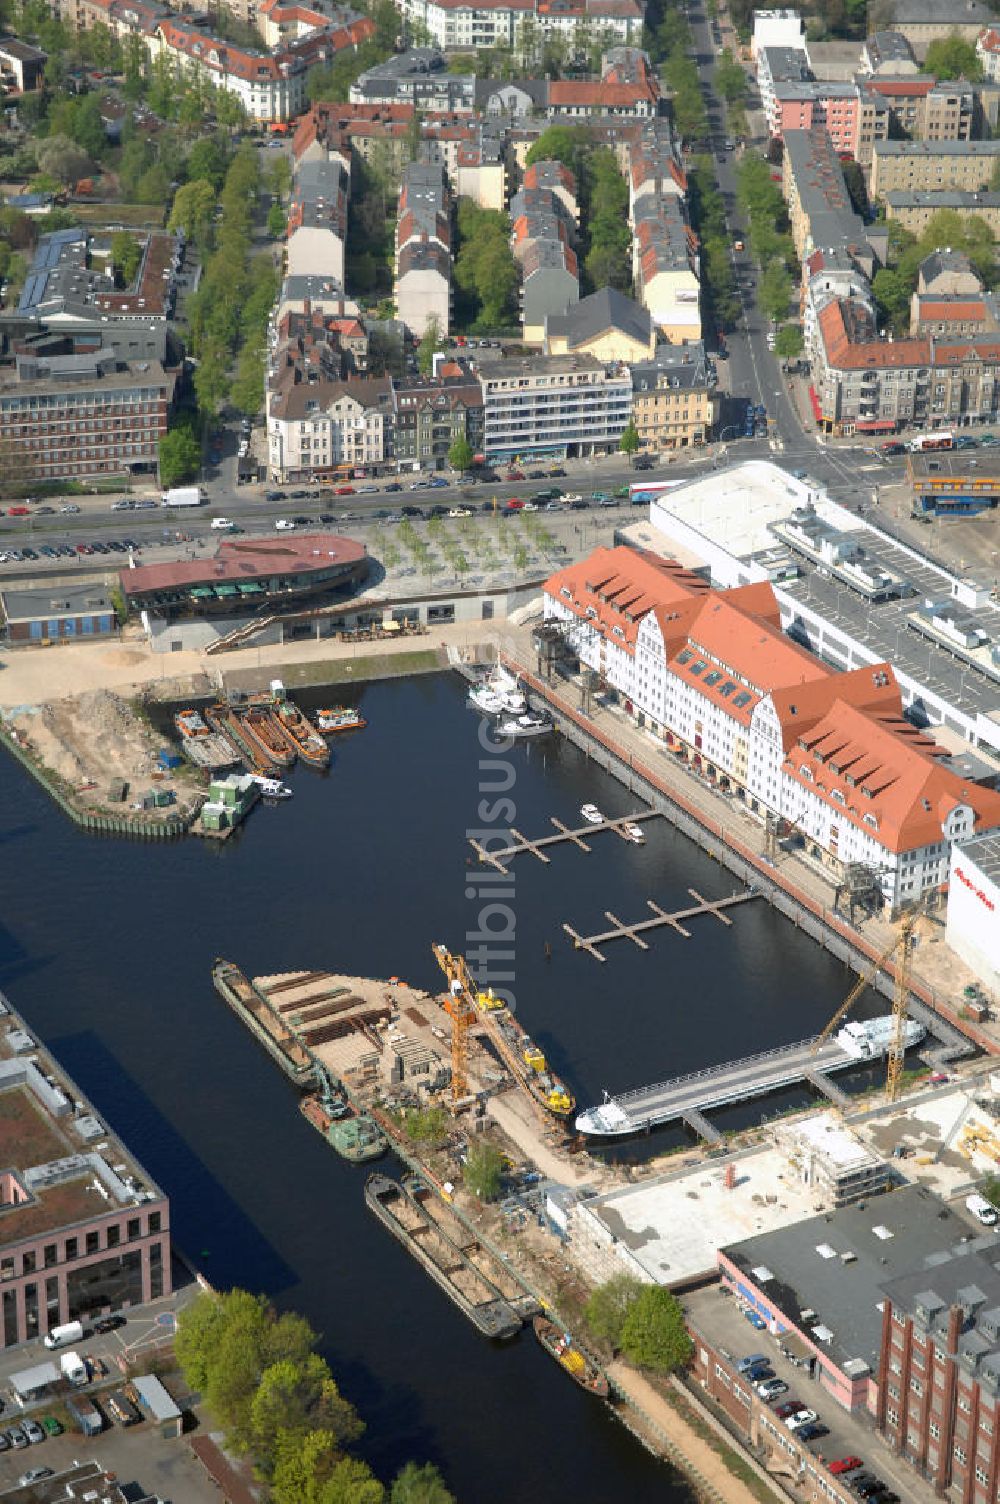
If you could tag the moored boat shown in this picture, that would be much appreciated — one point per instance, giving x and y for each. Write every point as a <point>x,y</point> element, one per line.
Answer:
<point>263,731</point>
<point>356,1137</point>
<point>201,745</point>
<point>339,718</point>
<point>871,1038</point>
<point>532,723</point>
<point>592,814</point>
<point>582,1369</point>
<point>635,834</point>
<point>499,693</point>
<point>236,989</point>
<point>464,1284</point>
<point>300,735</point>
<point>271,788</point>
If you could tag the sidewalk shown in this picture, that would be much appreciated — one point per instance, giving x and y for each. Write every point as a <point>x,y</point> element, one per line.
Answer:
<point>706,1465</point>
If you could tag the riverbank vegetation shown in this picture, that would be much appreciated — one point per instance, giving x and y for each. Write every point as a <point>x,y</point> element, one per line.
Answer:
<point>643,1322</point>
<point>279,1405</point>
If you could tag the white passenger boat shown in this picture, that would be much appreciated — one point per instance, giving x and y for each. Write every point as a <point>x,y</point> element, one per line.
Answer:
<point>271,788</point>
<point>635,834</point>
<point>592,814</point>
<point>532,723</point>
<point>498,694</point>
<point>872,1038</point>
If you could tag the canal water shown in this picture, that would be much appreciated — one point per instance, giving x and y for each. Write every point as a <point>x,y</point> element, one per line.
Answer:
<point>106,947</point>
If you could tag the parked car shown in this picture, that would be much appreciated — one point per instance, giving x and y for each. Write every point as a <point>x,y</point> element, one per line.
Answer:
<point>17,1438</point>
<point>32,1431</point>
<point>865,1485</point>
<point>515,475</point>
<point>757,1322</point>
<point>846,1465</point>
<point>328,518</point>
<point>770,1389</point>
<point>394,485</point>
<point>274,495</point>
<point>70,508</point>
<point>438,483</point>
<point>800,1418</point>
<point>109,1324</point>
<point>34,1475</point>
<point>51,1426</point>
<point>284,525</point>
<point>811,1431</point>
<point>28,553</point>
<point>989,440</point>
<point>44,511</point>
<point>786,1408</point>
<point>4,1442</point>
<point>346,491</point>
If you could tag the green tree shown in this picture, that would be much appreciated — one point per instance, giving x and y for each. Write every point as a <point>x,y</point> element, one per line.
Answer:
<point>483,1173</point>
<point>460,455</point>
<point>247,390</point>
<point>788,342</point>
<point>629,441</point>
<point>730,80</point>
<point>299,1395</point>
<point>432,341</point>
<point>63,159</point>
<point>560,143</point>
<point>608,1306</point>
<point>211,377</point>
<point>953,57</point>
<point>208,159</point>
<point>126,254</point>
<point>420,1484</point>
<point>180,456</point>
<point>775,291</point>
<point>309,1470</point>
<point>892,294</point>
<point>276,221</point>
<point>653,1332</point>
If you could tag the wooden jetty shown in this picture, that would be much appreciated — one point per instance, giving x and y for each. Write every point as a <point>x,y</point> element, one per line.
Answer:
<point>635,931</point>
<point>538,845</point>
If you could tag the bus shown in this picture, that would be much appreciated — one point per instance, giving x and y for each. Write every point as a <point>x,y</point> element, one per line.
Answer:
<point>640,492</point>
<point>925,442</point>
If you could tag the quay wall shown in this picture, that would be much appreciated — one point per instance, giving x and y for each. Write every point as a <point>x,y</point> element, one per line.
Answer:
<point>817,920</point>
<point>100,824</point>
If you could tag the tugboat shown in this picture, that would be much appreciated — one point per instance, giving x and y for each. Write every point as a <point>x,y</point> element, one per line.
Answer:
<point>340,718</point>
<point>581,1369</point>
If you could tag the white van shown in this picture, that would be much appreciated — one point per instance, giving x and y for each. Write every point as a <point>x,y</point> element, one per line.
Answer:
<point>59,1336</point>
<point>981,1210</point>
<point>223,524</point>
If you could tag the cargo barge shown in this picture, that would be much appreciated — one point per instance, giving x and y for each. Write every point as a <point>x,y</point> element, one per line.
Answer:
<point>201,745</point>
<point>465,1285</point>
<point>301,737</point>
<point>262,1020</point>
<point>263,731</point>
<point>464,1237</point>
<point>582,1369</point>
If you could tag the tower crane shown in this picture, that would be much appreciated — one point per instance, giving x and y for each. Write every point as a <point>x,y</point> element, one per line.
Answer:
<point>903,942</point>
<point>459,1007</point>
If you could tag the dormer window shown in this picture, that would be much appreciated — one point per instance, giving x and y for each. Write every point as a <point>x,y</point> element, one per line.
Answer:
<point>591,613</point>
<point>872,821</point>
<point>564,590</point>
<point>837,795</point>
<point>806,772</point>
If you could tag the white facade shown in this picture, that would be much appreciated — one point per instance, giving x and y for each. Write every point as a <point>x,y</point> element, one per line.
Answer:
<point>344,431</point>
<point>807,748</point>
<point>777,28</point>
<point>973,929</point>
<point>423,296</point>
<point>469,27</point>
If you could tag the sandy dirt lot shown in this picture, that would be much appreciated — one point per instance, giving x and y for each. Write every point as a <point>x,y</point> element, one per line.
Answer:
<point>90,739</point>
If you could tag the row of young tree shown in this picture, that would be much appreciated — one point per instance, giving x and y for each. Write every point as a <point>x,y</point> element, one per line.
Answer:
<point>763,204</point>
<point>279,1406</point>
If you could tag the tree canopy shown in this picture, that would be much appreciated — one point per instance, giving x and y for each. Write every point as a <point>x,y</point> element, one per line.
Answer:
<point>486,274</point>
<point>953,57</point>
<point>608,1307</point>
<point>432,341</point>
<point>653,1333</point>
<point>788,342</point>
<point>179,455</point>
<point>483,1172</point>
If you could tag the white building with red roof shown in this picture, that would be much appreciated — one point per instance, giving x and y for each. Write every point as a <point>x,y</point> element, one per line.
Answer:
<point>712,675</point>
<point>457,24</point>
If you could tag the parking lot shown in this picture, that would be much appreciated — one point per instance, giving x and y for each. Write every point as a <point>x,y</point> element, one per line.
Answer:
<point>847,1434</point>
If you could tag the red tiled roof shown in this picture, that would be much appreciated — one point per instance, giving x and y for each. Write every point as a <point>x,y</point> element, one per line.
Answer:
<point>843,353</point>
<point>945,309</point>
<point>883,767</point>
<point>620,586</point>
<point>247,560</point>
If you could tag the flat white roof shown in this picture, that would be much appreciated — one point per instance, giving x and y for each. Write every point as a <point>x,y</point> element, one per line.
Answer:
<point>155,1397</point>
<point>30,1379</point>
<point>674,1227</point>
<point>825,1136</point>
<point>736,506</point>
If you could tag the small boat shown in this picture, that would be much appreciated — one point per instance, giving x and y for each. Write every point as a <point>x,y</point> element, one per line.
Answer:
<point>581,1368</point>
<point>340,718</point>
<point>263,731</point>
<point>498,694</point>
<point>532,723</point>
<point>201,745</point>
<point>356,1137</point>
<point>271,788</point>
<point>635,834</point>
<point>592,814</point>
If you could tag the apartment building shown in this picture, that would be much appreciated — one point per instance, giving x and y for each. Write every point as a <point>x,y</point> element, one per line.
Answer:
<point>666,265</point>
<point>777,28</point>
<point>85,1229</point>
<point>543,215</point>
<point>888,52</point>
<point>317,221</point>
<point>914,209</point>
<point>711,674</point>
<point>819,206</point>
<point>928,166</point>
<point>939,1377</point>
<point>525,24</point>
<point>423,249</point>
<point>553,406</point>
<point>925,21</point>
<point>67,416</point>
<point>853,116</point>
<point>418,77</point>
<point>927,110</point>
<point>22,67</point>
<point>673,398</point>
<point>988,53</point>
<point>432,415</point>
<point>779,65</point>
<point>322,430</point>
<point>607,325</point>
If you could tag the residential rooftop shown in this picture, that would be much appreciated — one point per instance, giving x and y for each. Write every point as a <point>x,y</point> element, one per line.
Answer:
<point>59,1163</point>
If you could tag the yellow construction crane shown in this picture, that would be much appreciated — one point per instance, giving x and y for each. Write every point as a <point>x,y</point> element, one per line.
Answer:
<point>903,942</point>
<point>459,1006</point>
